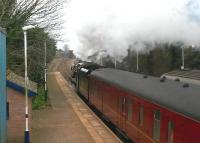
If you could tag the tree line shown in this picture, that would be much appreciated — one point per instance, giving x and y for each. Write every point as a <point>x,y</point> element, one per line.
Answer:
<point>162,58</point>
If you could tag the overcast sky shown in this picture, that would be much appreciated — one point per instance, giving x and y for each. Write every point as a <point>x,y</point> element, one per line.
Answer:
<point>168,20</point>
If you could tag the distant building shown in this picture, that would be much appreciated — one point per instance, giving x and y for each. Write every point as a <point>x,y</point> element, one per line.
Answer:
<point>187,76</point>
<point>67,53</point>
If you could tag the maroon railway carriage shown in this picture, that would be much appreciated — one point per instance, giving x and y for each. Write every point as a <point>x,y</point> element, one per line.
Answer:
<point>146,109</point>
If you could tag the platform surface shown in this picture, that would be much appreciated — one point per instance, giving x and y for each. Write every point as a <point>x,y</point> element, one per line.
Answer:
<point>69,120</point>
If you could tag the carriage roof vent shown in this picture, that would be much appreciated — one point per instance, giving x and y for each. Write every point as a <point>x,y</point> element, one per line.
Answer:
<point>145,76</point>
<point>162,79</point>
<point>186,85</point>
<point>177,79</point>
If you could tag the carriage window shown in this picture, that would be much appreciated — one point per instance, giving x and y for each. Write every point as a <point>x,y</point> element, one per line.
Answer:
<point>156,125</point>
<point>141,116</point>
<point>130,110</point>
<point>170,136</point>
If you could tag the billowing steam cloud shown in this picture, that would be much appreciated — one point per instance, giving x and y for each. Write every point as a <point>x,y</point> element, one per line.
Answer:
<point>111,26</point>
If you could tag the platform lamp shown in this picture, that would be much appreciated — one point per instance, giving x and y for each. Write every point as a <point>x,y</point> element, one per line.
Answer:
<point>183,58</point>
<point>137,60</point>
<point>45,70</point>
<point>26,133</point>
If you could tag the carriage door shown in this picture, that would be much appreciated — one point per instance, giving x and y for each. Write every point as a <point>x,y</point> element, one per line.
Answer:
<point>122,111</point>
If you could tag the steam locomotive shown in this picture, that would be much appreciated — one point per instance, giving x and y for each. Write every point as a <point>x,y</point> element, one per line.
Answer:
<point>146,109</point>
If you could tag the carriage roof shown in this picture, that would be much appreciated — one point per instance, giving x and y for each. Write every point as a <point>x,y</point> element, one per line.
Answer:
<point>169,94</point>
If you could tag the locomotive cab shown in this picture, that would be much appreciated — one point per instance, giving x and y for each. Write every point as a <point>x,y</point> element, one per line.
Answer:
<point>82,78</point>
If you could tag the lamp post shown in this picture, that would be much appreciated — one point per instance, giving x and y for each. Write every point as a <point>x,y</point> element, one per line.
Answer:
<point>183,59</point>
<point>26,133</point>
<point>137,56</point>
<point>115,61</point>
<point>45,70</point>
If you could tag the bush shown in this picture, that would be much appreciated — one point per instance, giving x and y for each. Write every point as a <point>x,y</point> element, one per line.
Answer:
<point>39,101</point>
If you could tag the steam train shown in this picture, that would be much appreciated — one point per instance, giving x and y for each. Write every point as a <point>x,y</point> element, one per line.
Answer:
<point>146,109</point>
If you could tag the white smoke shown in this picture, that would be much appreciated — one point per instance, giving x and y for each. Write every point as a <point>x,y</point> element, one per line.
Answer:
<point>113,25</point>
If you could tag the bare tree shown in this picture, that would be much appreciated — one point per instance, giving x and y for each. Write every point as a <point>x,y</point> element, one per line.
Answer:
<point>44,13</point>
<point>14,14</point>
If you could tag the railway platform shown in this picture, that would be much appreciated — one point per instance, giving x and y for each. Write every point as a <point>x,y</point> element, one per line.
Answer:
<point>69,119</point>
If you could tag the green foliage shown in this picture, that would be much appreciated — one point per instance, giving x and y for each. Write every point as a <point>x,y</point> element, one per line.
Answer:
<point>39,100</point>
<point>161,60</point>
<point>108,62</point>
<point>144,62</point>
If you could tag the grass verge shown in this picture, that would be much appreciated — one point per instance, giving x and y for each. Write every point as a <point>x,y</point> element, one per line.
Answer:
<point>38,101</point>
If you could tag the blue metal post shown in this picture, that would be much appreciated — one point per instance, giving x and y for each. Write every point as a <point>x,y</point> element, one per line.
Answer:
<point>3,114</point>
